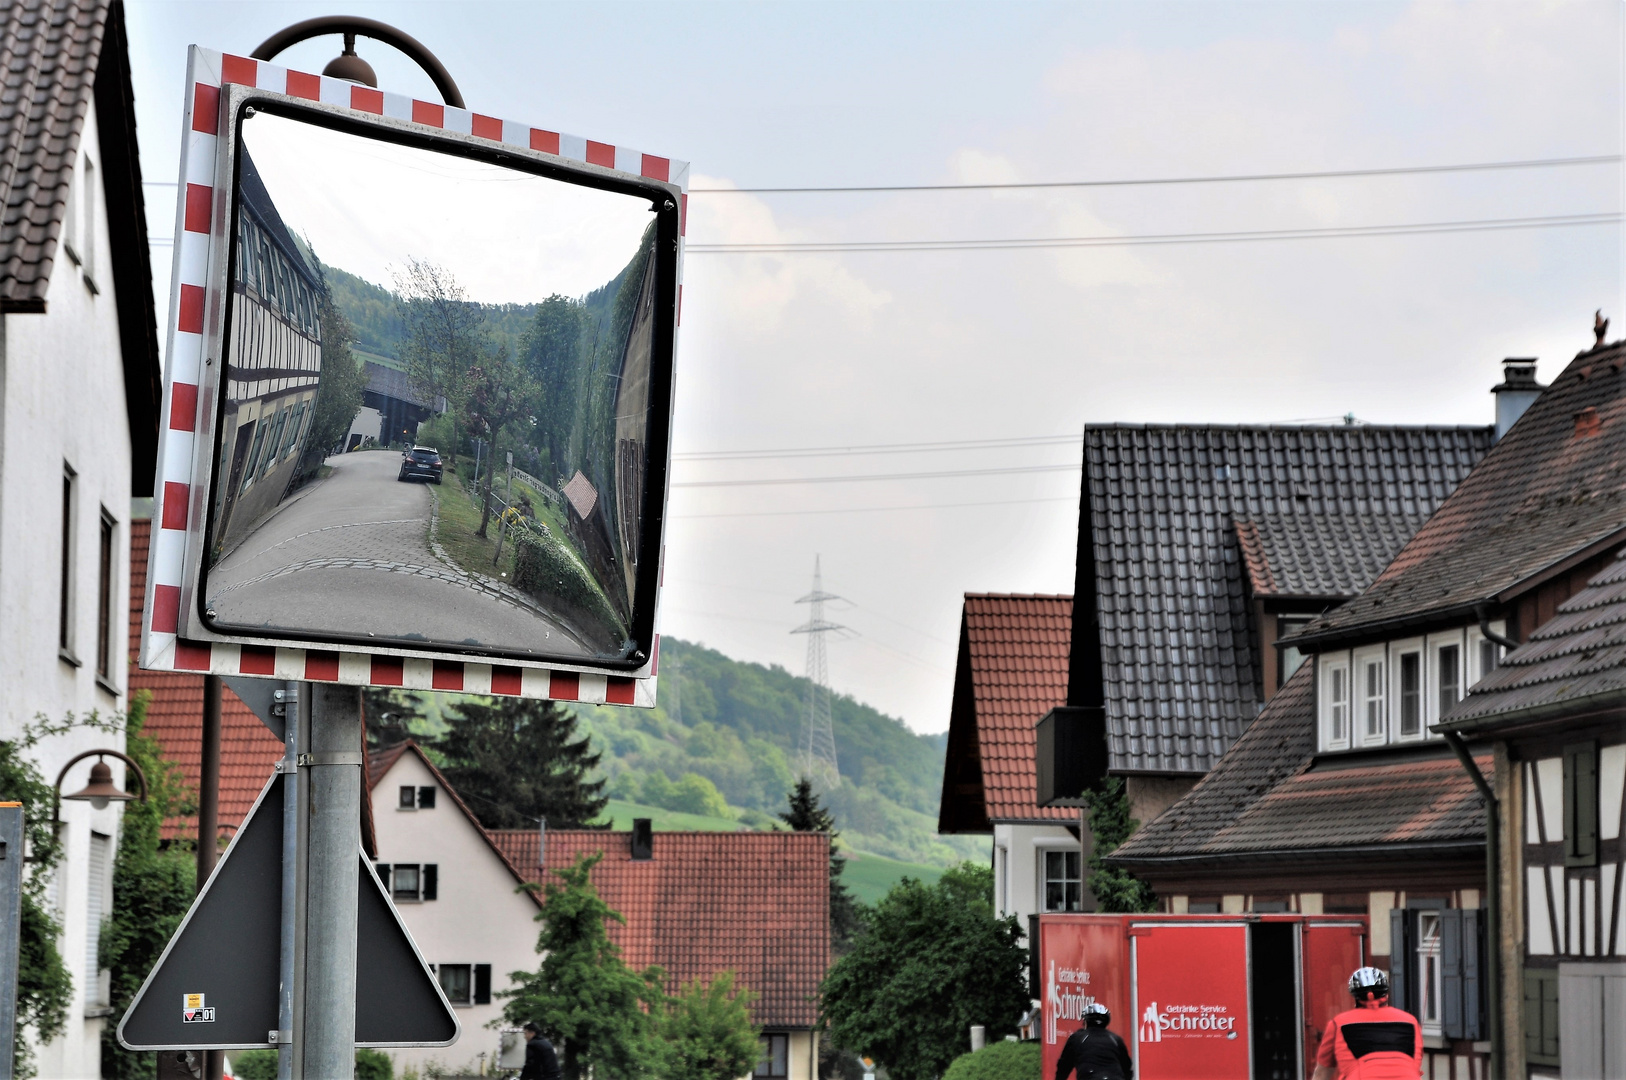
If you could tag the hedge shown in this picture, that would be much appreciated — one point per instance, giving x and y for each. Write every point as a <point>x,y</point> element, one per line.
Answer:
<point>1003,1060</point>
<point>548,570</point>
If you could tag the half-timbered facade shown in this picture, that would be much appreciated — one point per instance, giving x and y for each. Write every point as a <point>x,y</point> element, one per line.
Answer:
<point>1556,712</point>
<point>273,367</point>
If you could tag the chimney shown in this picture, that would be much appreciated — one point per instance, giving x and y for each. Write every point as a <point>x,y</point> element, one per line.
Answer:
<point>1516,392</point>
<point>643,839</point>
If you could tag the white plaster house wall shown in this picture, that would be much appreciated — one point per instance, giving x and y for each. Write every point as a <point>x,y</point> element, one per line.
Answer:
<point>62,402</point>
<point>1019,865</point>
<point>478,917</point>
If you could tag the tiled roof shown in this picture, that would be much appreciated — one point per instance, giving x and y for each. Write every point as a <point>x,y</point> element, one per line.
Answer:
<point>756,903</point>
<point>1554,486</point>
<point>48,59</point>
<point>1269,797</point>
<point>1576,659</point>
<point>1320,555</point>
<point>248,750</point>
<point>1180,678</point>
<point>1013,659</point>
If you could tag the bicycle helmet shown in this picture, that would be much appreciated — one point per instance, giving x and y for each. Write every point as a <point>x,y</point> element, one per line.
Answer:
<point>1096,1015</point>
<point>1369,984</point>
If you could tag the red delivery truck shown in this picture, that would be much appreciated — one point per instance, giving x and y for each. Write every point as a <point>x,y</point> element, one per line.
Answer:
<point>1201,997</point>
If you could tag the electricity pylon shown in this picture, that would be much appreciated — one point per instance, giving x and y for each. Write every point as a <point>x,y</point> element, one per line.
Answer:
<point>817,752</point>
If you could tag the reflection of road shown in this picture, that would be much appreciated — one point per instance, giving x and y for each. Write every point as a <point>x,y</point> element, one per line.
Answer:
<point>352,557</point>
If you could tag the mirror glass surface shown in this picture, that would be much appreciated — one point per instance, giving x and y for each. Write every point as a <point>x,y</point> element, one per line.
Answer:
<point>434,424</point>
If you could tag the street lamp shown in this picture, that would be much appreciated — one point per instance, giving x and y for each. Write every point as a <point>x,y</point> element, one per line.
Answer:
<point>101,790</point>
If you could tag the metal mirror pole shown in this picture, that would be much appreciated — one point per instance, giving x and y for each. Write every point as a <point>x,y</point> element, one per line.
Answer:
<point>214,1061</point>
<point>325,1026</point>
<point>11,900</point>
<point>293,722</point>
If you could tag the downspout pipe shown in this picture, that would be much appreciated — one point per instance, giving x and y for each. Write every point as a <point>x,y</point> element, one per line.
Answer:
<point>1493,891</point>
<point>1483,615</point>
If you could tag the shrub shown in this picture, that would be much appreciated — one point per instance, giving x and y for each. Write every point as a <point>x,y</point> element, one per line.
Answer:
<point>1002,1060</point>
<point>262,1065</point>
<point>546,569</point>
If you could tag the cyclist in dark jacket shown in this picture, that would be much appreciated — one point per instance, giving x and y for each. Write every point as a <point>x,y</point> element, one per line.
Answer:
<point>1095,1052</point>
<point>541,1063</point>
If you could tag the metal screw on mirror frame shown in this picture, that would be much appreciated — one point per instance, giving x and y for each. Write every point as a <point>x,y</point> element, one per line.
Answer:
<point>209,613</point>
<point>250,111</point>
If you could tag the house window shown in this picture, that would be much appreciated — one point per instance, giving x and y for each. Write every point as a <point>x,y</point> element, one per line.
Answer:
<point>1374,698</point>
<point>64,640</point>
<point>409,798</point>
<point>1062,884</point>
<point>1581,804</point>
<point>775,1060</point>
<point>1337,708</point>
<point>411,881</point>
<point>1411,694</point>
<point>1489,654</point>
<point>101,854</point>
<point>1290,658</point>
<point>104,602</point>
<point>87,223</point>
<point>1429,971</point>
<point>457,983</point>
<point>1448,676</point>
<point>1203,907</point>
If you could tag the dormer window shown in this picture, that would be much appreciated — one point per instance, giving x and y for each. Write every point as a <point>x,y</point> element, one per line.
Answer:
<point>1409,689</point>
<point>1447,677</point>
<point>1335,698</point>
<point>1374,694</point>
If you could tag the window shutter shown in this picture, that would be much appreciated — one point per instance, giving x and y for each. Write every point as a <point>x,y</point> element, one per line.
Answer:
<point>482,984</point>
<point>426,798</point>
<point>1541,1016</point>
<point>1401,958</point>
<point>1581,804</point>
<point>383,869</point>
<point>430,881</point>
<point>1451,945</point>
<point>1473,983</point>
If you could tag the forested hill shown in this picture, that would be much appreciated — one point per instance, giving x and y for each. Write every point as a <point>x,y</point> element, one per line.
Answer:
<point>737,724</point>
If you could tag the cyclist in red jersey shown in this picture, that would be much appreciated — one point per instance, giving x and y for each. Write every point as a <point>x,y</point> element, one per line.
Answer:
<point>1372,1041</point>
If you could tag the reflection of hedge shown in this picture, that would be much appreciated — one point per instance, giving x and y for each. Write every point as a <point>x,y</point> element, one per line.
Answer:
<point>998,1061</point>
<point>548,570</point>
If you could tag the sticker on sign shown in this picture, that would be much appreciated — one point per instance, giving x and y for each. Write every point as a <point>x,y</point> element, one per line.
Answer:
<point>194,1011</point>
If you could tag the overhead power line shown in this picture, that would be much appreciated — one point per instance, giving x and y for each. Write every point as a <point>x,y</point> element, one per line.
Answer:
<point>871,509</point>
<point>1422,228</point>
<point>859,477</point>
<point>1229,178</point>
<point>877,448</point>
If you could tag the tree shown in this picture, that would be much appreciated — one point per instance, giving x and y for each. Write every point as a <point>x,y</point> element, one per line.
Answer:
<point>807,815</point>
<point>708,1032</point>
<point>339,388</point>
<point>152,887</point>
<point>515,760</point>
<point>550,351</point>
<point>497,392</point>
<point>392,716</point>
<point>583,996</point>
<point>1110,826</point>
<point>446,334</point>
<point>929,962</point>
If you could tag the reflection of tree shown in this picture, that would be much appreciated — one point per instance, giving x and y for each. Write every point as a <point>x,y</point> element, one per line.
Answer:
<point>550,351</point>
<point>446,335</point>
<point>340,386</point>
<point>498,391</point>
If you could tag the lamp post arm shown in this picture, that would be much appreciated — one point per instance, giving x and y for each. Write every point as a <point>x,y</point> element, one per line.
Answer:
<point>56,789</point>
<point>378,31</point>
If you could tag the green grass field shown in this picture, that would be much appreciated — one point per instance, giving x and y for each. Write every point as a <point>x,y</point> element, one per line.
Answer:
<point>621,814</point>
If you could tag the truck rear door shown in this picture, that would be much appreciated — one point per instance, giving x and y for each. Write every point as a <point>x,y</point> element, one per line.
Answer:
<point>1332,949</point>
<point>1189,986</point>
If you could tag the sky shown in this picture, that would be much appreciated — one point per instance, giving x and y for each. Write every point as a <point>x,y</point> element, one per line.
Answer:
<point>841,348</point>
<point>373,206</point>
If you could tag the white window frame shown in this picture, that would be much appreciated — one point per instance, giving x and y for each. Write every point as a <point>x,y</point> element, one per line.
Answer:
<point>1398,650</point>
<point>1331,665</point>
<point>1475,640</point>
<point>1043,899</point>
<point>1430,972</point>
<point>1436,643</point>
<point>1361,693</point>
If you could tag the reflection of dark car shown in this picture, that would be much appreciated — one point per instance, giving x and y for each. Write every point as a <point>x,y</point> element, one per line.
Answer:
<point>421,461</point>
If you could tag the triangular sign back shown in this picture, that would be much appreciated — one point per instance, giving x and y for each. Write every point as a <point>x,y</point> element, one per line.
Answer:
<point>215,986</point>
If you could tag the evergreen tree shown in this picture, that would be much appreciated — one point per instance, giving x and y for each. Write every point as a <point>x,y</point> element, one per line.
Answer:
<point>708,1032</point>
<point>599,1012</point>
<point>390,715</point>
<point>806,814</point>
<point>515,760</point>
<point>153,885</point>
<point>929,962</point>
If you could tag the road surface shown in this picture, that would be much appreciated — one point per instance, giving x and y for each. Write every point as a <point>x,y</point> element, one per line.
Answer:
<point>351,557</point>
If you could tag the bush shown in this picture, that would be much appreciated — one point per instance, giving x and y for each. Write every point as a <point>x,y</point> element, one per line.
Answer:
<point>546,569</point>
<point>1002,1060</point>
<point>262,1065</point>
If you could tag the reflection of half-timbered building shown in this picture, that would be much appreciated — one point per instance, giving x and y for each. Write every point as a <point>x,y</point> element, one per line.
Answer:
<point>632,429</point>
<point>273,365</point>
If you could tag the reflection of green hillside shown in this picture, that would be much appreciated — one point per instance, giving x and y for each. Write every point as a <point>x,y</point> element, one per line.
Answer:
<point>375,317</point>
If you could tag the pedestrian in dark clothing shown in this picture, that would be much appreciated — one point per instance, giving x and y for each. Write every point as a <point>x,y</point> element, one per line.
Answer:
<point>541,1063</point>
<point>1095,1052</point>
